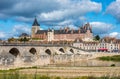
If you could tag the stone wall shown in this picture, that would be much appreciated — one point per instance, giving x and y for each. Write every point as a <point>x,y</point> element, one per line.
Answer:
<point>68,37</point>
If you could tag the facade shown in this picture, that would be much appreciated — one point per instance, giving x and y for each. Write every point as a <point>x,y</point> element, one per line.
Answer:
<point>109,44</point>
<point>106,44</point>
<point>86,45</point>
<point>66,34</point>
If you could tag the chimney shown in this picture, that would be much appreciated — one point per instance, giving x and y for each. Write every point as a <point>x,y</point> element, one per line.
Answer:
<point>79,30</point>
<point>52,29</point>
<point>64,29</point>
<point>91,28</point>
<point>67,29</point>
<point>60,29</point>
<point>48,29</point>
<point>72,31</point>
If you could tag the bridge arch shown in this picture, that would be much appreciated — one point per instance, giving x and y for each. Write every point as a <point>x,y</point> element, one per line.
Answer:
<point>33,51</point>
<point>62,50</point>
<point>14,51</point>
<point>48,51</point>
<point>71,50</point>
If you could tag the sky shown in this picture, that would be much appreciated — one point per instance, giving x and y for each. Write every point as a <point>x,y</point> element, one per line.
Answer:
<point>17,16</point>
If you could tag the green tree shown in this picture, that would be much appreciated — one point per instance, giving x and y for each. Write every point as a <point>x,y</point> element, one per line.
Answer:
<point>11,39</point>
<point>97,38</point>
<point>24,39</point>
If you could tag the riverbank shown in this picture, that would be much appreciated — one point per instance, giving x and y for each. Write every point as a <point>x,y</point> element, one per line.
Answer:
<point>74,71</point>
<point>36,76</point>
<point>64,72</point>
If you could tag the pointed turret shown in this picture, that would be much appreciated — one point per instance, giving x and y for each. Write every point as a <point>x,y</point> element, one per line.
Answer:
<point>88,27</point>
<point>35,23</point>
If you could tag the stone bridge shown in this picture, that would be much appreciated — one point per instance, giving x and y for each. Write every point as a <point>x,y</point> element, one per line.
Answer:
<point>21,50</point>
<point>23,55</point>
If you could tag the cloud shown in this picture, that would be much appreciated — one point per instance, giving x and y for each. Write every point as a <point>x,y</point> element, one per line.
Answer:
<point>114,9</point>
<point>2,35</point>
<point>21,18</point>
<point>66,22</point>
<point>71,10</point>
<point>18,29</point>
<point>5,4</point>
<point>47,10</point>
<point>5,35</point>
<point>27,8</point>
<point>70,26</point>
<point>101,27</point>
<point>115,34</point>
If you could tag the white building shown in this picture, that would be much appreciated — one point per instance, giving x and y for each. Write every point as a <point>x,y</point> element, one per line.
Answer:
<point>50,35</point>
<point>104,46</point>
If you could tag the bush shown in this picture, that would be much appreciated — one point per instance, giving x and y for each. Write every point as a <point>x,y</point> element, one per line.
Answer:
<point>44,77</point>
<point>57,78</point>
<point>112,65</point>
<point>110,58</point>
<point>105,77</point>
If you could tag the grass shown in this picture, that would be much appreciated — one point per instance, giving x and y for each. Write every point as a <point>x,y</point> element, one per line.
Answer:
<point>13,70</point>
<point>16,75</point>
<point>110,58</point>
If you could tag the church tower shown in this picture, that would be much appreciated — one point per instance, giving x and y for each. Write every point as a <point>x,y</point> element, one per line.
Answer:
<point>35,28</point>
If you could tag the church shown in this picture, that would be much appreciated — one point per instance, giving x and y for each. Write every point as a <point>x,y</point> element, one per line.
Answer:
<point>65,34</point>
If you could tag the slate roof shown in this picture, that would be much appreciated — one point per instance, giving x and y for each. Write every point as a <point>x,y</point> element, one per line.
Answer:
<point>24,35</point>
<point>59,32</point>
<point>35,23</point>
<point>41,31</point>
<point>69,32</point>
<point>82,29</point>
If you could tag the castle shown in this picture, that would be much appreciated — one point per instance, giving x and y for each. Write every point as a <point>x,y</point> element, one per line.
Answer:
<point>66,34</point>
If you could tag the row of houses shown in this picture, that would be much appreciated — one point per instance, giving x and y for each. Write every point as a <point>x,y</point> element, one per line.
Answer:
<point>106,44</point>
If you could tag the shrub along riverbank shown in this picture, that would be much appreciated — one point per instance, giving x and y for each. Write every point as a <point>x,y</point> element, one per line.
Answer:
<point>110,58</point>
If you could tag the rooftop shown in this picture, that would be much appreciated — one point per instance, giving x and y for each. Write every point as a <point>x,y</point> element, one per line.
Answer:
<point>35,23</point>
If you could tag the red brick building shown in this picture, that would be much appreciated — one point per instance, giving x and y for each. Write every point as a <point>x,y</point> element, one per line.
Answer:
<point>66,34</point>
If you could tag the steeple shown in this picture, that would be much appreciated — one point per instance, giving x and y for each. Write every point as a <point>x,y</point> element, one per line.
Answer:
<point>35,28</point>
<point>35,23</point>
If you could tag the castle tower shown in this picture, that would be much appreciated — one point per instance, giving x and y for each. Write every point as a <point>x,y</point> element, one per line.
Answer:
<point>35,28</point>
<point>88,28</point>
<point>89,31</point>
<point>88,34</point>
